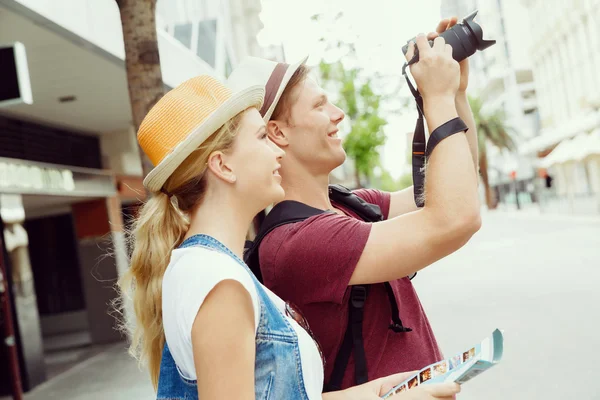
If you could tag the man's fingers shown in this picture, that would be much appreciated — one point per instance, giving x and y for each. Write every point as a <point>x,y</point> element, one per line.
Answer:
<point>442,390</point>
<point>452,22</point>
<point>411,51</point>
<point>439,44</point>
<point>442,25</point>
<point>423,44</point>
<point>389,382</point>
<point>432,35</point>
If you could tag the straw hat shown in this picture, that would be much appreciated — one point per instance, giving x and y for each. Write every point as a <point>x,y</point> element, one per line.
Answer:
<point>184,118</point>
<point>271,75</point>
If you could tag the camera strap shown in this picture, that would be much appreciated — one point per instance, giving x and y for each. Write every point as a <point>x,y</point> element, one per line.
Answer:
<point>418,143</point>
<point>421,149</point>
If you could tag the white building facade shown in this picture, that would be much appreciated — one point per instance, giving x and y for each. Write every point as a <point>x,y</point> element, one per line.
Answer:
<point>501,76</point>
<point>566,62</point>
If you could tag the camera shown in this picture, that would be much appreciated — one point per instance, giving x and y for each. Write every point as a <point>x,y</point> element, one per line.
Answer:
<point>465,37</point>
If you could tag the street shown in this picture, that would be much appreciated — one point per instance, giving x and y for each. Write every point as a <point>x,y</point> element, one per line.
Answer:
<point>537,278</point>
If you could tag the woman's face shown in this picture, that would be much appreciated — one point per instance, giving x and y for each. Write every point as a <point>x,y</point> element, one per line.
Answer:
<point>254,159</point>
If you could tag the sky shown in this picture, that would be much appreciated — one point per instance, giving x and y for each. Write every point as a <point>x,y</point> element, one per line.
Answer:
<point>379,28</point>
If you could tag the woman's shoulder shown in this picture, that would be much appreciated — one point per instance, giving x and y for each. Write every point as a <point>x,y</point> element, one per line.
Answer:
<point>194,272</point>
<point>200,269</point>
<point>201,260</point>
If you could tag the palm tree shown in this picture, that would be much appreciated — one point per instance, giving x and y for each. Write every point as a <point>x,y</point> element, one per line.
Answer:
<point>142,62</point>
<point>491,128</point>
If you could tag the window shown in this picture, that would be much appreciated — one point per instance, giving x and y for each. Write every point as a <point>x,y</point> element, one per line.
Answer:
<point>183,33</point>
<point>207,41</point>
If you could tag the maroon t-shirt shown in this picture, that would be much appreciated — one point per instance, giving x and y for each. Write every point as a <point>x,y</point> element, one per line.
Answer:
<point>310,263</point>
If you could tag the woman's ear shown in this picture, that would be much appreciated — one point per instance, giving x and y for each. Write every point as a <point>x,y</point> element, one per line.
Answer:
<point>276,134</point>
<point>217,163</point>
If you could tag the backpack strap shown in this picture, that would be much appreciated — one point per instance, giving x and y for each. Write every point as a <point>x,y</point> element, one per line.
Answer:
<point>366,211</point>
<point>353,341</point>
<point>353,338</point>
<point>286,212</point>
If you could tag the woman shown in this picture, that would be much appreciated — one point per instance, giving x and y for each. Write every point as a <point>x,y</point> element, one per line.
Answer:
<point>204,325</point>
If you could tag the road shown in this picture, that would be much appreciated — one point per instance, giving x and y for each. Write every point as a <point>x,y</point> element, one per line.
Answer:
<point>538,279</point>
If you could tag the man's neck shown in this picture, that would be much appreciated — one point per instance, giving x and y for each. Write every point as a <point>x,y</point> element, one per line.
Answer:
<point>300,185</point>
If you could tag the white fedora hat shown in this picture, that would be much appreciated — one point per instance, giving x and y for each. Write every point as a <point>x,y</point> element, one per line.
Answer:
<point>184,118</point>
<point>271,75</point>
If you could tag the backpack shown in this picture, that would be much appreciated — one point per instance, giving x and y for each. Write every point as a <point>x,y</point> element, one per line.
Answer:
<point>288,212</point>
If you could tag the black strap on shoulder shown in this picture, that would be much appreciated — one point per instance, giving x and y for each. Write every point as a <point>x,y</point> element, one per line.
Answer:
<point>286,212</point>
<point>366,211</point>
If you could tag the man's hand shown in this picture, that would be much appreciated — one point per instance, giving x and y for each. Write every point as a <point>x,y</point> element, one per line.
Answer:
<point>375,389</point>
<point>444,25</point>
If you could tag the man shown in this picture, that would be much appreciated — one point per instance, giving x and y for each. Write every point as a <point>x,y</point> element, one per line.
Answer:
<point>314,263</point>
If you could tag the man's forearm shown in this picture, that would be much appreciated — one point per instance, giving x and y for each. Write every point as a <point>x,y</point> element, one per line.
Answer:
<point>464,112</point>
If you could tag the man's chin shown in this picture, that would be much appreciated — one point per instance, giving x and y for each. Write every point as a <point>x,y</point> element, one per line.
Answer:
<point>338,159</point>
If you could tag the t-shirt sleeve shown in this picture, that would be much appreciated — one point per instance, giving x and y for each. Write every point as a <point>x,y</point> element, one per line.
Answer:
<point>188,287</point>
<point>313,260</point>
<point>374,196</point>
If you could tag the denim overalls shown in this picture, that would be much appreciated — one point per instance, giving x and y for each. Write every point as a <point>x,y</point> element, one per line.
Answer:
<point>277,371</point>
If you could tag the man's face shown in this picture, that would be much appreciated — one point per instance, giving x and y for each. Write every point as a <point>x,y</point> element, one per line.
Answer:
<point>311,129</point>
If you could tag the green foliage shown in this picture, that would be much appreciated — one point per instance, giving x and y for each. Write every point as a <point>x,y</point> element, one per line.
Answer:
<point>492,128</point>
<point>361,105</point>
<point>388,184</point>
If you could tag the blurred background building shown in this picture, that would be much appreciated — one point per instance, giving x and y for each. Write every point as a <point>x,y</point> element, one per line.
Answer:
<point>565,55</point>
<point>541,75</point>
<point>70,171</point>
<point>502,77</point>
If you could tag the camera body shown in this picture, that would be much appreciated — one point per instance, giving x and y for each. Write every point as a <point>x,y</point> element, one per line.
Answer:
<point>465,38</point>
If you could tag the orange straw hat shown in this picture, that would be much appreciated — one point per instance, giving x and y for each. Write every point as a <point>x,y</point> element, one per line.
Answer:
<point>184,118</point>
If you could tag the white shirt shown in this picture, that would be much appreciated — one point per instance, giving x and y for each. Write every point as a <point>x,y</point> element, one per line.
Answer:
<point>192,273</point>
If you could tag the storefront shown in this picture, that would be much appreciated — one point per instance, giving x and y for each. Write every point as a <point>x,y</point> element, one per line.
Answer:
<point>63,248</point>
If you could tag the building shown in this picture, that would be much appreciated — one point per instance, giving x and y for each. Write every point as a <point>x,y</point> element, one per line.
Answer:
<point>565,56</point>
<point>502,77</point>
<point>70,170</point>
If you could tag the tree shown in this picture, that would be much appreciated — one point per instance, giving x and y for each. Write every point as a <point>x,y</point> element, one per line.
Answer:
<point>142,61</point>
<point>491,128</point>
<point>387,183</point>
<point>362,108</point>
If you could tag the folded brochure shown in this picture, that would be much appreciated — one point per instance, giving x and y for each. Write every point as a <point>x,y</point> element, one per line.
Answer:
<point>460,368</point>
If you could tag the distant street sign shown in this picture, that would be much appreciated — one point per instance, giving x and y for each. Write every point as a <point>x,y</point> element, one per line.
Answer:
<point>15,86</point>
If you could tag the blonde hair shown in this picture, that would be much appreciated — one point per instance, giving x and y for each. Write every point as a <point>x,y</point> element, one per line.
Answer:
<point>159,228</point>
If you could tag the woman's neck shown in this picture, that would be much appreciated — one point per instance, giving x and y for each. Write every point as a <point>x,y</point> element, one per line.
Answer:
<point>223,218</point>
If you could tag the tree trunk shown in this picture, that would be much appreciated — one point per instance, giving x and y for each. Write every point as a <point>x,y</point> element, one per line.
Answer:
<point>483,169</point>
<point>142,61</point>
<point>357,178</point>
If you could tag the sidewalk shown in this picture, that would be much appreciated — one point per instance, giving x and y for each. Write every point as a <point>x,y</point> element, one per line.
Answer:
<point>534,212</point>
<point>112,374</point>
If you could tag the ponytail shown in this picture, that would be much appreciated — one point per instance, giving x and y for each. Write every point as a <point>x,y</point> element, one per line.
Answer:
<point>158,229</point>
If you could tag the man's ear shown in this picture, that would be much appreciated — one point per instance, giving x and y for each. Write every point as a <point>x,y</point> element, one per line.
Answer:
<point>217,163</point>
<point>276,134</point>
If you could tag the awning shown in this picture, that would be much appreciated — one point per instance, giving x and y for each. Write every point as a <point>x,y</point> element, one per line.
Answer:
<point>576,149</point>
<point>567,130</point>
